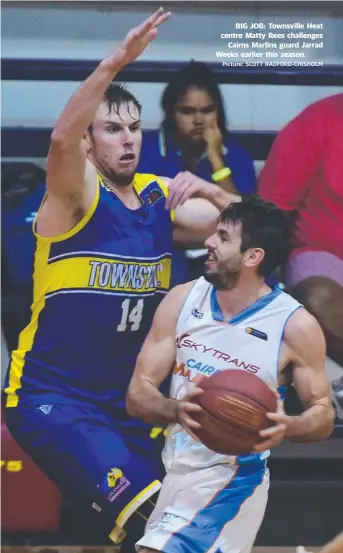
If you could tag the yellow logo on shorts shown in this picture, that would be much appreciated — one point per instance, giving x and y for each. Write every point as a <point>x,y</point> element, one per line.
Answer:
<point>113,477</point>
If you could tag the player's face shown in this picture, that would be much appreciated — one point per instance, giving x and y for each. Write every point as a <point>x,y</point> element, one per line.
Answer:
<point>115,143</point>
<point>194,112</point>
<point>225,259</point>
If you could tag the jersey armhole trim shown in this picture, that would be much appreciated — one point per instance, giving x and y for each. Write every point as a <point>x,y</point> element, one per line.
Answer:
<point>165,191</point>
<point>72,232</point>
<point>185,303</point>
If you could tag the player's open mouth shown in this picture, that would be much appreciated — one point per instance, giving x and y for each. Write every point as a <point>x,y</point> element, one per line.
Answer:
<point>127,157</point>
<point>211,257</point>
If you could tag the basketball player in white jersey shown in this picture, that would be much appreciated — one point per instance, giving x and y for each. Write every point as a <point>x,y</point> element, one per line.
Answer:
<point>230,319</point>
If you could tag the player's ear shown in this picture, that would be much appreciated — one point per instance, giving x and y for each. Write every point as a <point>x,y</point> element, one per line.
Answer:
<point>87,139</point>
<point>254,257</point>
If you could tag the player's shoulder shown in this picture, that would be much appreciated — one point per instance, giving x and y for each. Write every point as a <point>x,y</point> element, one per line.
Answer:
<point>302,331</point>
<point>182,290</point>
<point>171,306</point>
<point>144,180</point>
<point>177,295</point>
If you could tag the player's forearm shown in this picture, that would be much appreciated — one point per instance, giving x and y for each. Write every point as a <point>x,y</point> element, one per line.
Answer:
<point>80,110</point>
<point>315,424</point>
<point>220,198</point>
<point>144,401</point>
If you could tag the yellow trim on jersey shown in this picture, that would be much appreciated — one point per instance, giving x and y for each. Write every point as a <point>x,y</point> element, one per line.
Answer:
<point>142,181</point>
<point>117,533</point>
<point>27,336</point>
<point>79,226</point>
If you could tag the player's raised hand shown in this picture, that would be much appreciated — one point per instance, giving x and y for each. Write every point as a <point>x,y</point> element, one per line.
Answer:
<point>139,38</point>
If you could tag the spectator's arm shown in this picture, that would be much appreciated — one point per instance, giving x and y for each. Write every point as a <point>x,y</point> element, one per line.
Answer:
<point>293,161</point>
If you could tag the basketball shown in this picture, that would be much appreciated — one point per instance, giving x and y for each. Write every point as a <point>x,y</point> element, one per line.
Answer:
<point>234,406</point>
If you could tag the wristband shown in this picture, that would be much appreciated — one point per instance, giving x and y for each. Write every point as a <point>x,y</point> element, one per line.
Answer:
<point>221,174</point>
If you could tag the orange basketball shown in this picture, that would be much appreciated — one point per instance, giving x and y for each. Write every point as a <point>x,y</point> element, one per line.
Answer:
<point>234,404</point>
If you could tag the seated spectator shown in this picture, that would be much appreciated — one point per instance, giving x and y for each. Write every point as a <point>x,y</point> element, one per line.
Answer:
<point>194,137</point>
<point>304,175</point>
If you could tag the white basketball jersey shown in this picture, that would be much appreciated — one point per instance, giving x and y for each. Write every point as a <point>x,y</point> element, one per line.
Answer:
<point>207,344</point>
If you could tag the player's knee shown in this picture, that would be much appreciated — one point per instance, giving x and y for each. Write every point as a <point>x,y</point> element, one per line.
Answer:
<point>322,297</point>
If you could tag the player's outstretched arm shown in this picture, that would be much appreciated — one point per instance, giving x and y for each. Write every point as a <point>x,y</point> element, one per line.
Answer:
<point>155,362</point>
<point>305,341</point>
<point>197,204</point>
<point>67,173</point>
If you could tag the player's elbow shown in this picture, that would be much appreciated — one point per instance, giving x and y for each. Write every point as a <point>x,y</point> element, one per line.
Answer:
<point>325,425</point>
<point>62,139</point>
<point>328,423</point>
<point>131,405</point>
<point>58,138</point>
<point>132,402</point>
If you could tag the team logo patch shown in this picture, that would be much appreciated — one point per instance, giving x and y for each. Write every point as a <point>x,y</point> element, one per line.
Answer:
<point>154,196</point>
<point>197,314</point>
<point>257,333</point>
<point>115,483</point>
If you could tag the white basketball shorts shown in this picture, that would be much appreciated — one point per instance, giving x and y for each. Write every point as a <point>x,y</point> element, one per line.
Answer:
<point>213,510</point>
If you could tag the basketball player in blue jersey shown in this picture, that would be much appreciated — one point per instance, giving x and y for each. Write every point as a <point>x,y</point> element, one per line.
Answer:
<point>213,503</point>
<point>102,264</point>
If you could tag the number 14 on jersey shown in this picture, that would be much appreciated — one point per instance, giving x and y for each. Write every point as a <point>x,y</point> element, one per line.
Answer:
<point>131,315</point>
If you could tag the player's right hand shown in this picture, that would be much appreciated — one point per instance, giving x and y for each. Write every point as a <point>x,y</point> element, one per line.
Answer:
<point>138,39</point>
<point>185,409</point>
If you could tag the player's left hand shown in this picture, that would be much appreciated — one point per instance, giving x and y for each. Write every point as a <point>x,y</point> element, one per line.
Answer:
<point>273,436</point>
<point>184,186</point>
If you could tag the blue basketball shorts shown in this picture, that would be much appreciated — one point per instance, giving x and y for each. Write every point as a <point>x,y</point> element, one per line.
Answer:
<point>111,466</point>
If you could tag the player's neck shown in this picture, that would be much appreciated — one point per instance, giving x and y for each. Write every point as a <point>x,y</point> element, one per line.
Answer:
<point>126,194</point>
<point>244,294</point>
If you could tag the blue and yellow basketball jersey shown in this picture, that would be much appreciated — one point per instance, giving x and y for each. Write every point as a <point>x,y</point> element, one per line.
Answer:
<point>96,289</point>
